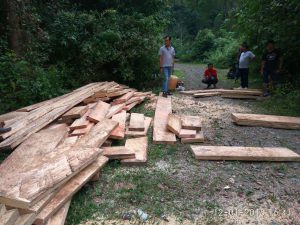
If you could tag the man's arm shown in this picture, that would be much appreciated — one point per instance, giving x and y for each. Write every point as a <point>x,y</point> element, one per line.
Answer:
<point>160,63</point>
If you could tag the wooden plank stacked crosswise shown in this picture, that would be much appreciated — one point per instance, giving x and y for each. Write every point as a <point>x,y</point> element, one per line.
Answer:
<point>57,147</point>
<point>188,128</point>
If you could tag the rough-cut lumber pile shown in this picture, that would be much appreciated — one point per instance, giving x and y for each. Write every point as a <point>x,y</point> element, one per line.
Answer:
<point>281,122</point>
<point>243,153</point>
<point>38,118</point>
<point>58,149</point>
<point>188,128</point>
<point>161,134</point>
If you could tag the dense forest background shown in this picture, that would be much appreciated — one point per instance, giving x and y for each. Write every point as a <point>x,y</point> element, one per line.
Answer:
<point>50,47</point>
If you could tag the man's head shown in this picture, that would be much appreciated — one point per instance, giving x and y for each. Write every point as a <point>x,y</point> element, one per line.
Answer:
<point>168,40</point>
<point>270,45</point>
<point>210,65</point>
<point>244,47</point>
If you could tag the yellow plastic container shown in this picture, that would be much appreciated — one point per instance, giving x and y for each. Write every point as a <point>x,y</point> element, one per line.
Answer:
<point>173,82</point>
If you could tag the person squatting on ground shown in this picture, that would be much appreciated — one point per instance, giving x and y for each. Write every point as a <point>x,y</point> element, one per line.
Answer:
<point>271,66</point>
<point>166,60</point>
<point>210,76</point>
<point>244,61</point>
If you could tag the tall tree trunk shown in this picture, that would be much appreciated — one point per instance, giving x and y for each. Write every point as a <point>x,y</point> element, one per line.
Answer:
<point>13,26</point>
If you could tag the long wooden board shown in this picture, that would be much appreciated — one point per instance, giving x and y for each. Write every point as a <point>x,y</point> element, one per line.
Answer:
<point>239,96</point>
<point>136,122</point>
<point>140,147</point>
<point>161,134</point>
<point>174,124</point>
<point>60,216</point>
<point>207,94</point>
<point>119,132</point>
<point>69,189</point>
<point>244,153</point>
<point>191,122</point>
<point>281,122</point>
<point>242,92</point>
<point>99,112</point>
<point>192,92</point>
<point>147,124</point>
<point>118,152</point>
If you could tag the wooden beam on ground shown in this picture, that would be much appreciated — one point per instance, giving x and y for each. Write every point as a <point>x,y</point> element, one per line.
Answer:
<point>191,122</point>
<point>119,132</point>
<point>136,122</point>
<point>60,216</point>
<point>130,106</point>
<point>118,152</point>
<point>174,124</point>
<point>280,122</point>
<point>161,134</point>
<point>184,133</point>
<point>207,94</point>
<point>192,92</point>
<point>239,96</point>
<point>140,147</point>
<point>9,217</point>
<point>134,99</point>
<point>99,112</point>
<point>69,189</point>
<point>75,112</point>
<point>114,110</point>
<point>244,153</point>
<point>242,92</point>
<point>199,138</point>
<point>147,124</point>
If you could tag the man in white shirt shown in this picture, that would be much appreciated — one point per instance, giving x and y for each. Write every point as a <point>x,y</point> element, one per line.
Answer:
<point>166,61</point>
<point>244,61</point>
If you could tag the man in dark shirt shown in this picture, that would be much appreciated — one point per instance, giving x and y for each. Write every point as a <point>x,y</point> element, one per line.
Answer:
<point>271,65</point>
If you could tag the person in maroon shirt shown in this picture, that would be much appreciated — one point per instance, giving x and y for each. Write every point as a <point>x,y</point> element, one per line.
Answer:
<point>210,76</point>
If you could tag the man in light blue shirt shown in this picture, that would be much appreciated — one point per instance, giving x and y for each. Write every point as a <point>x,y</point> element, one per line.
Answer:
<point>166,61</point>
<point>245,58</point>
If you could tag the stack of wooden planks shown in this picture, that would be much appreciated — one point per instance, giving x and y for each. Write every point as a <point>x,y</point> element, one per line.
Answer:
<point>224,93</point>
<point>188,128</point>
<point>61,144</point>
<point>272,121</point>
